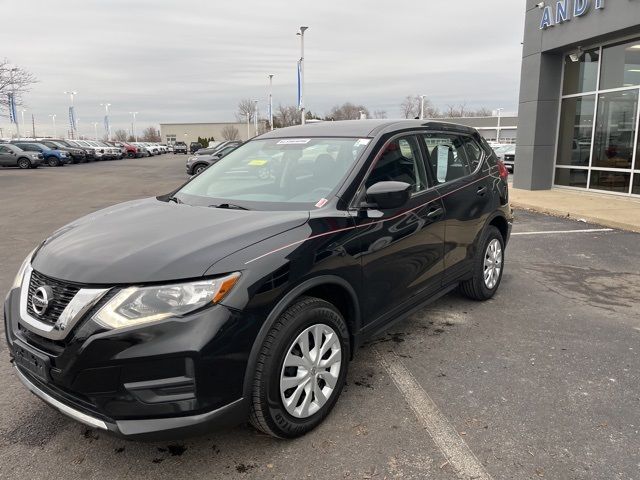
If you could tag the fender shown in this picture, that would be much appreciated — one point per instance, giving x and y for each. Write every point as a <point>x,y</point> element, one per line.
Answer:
<point>283,304</point>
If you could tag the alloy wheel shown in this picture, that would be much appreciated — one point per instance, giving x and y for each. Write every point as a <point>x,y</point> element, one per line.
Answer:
<point>492,263</point>
<point>310,371</point>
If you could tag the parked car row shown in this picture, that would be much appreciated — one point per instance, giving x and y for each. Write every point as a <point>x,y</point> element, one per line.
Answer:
<point>32,153</point>
<point>507,154</point>
<point>205,157</point>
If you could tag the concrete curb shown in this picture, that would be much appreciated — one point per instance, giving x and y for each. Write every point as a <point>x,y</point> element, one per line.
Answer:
<point>612,211</point>
<point>596,220</point>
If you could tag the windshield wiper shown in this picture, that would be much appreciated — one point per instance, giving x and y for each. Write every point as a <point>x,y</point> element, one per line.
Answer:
<point>231,206</point>
<point>174,199</point>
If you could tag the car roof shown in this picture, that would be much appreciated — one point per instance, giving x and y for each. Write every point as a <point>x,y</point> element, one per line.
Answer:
<point>360,128</point>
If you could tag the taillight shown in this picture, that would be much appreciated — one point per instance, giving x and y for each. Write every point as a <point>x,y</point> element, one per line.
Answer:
<point>502,171</point>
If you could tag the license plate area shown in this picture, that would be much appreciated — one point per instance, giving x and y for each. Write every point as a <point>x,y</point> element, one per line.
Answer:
<point>32,362</point>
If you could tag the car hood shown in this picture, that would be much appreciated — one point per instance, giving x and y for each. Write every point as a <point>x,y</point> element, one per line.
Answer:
<point>154,241</point>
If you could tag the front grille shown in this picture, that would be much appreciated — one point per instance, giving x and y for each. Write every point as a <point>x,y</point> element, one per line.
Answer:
<point>62,295</point>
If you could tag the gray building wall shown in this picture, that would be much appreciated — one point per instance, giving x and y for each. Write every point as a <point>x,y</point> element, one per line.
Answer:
<point>189,132</point>
<point>488,126</point>
<point>542,57</point>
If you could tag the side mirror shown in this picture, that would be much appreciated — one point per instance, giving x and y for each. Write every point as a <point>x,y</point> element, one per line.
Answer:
<point>388,195</point>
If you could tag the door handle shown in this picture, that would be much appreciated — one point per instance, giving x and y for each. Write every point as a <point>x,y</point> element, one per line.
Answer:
<point>482,191</point>
<point>435,212</point>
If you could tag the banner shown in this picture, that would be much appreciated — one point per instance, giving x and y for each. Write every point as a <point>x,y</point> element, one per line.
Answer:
<point>72,119</point>
<point>13,116</point>
<point>299,85</point>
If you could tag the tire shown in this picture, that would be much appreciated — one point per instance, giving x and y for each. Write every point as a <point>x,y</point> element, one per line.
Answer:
<point>314,318</point>
<point>131,154</point>
<point>52,162</point>
<point>24,163</point>
<point>490,252</point>
<point>199,168</point>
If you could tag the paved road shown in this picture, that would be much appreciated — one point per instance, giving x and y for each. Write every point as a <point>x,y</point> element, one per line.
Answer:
<point>540,382</point>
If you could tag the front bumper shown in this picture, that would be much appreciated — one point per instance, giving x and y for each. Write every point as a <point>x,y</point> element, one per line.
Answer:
<point>165,380</point>
<point>143,429</point>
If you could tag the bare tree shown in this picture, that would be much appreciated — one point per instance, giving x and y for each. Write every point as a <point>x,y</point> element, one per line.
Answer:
<point>380,114</point>
<point>13,80</point>
<point>246,108</point>
<point>120,135</point>
<point>230,133</point>
<point>286,116</point>
<point>150,134</point>
<point>480,112</point>
<point>410,106</point>
<point>348,111</point>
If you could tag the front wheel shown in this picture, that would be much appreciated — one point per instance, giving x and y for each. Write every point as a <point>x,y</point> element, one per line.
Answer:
<point>300,370</point>
<point>24,163</point>
<point>488,266</point>
<point>52,162</point>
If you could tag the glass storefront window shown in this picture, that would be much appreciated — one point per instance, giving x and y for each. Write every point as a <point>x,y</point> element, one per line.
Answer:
<point>614,181</point>
<point>571,177</point>
<point>620,65</point>
<point>635,189</point>
<point>615,129</point>
<point>576,127</point>
<point>581,73</point>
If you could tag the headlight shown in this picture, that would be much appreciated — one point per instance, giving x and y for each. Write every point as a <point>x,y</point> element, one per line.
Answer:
<point>137,305</point>
<point>17,282</point>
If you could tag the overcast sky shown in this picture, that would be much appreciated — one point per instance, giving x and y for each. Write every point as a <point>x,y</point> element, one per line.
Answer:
<point>192,61</point>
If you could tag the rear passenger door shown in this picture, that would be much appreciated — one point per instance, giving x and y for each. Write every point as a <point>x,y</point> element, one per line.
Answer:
<point>457,165</point>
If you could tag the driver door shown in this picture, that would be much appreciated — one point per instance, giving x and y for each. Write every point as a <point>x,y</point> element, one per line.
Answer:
<point>401,250</point>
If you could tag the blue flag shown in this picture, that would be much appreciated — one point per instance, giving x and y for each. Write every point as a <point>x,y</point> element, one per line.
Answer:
<point>13,116</point>
<point>299,85</point>
<point>72,119</point>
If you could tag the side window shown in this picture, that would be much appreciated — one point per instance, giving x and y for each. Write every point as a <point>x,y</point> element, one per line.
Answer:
<point>4,149</point>
<point>400,162</point>
<point>447,156</point>
<point>474,152</point>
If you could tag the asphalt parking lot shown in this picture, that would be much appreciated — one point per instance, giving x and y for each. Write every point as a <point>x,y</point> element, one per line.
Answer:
<point>540,382</point>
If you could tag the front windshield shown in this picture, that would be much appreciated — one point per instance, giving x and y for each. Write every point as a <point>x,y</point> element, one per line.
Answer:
<point>262,174</point>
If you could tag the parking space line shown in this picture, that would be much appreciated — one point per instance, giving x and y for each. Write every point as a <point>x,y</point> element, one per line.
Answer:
<point>443,434</point>
<point>555,232</point>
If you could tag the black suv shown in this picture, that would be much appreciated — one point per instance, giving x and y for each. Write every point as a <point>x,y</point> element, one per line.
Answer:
<point>194,147</point>
<point>246,292</point>
<point>180,147</point>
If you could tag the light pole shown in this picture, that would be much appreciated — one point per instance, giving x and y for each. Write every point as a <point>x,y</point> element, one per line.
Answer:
<point>72,114</point>
<point>133,125</point>
<point>248,124</point>
<point>271,100</point>
<point>53,120</point>
<point>422,97</point>
<point>107,124</point>
<point>95,130</point>
<point>22,113</point>
<point>255,117</point>
<point>302,112</point>
<point>499,110</point>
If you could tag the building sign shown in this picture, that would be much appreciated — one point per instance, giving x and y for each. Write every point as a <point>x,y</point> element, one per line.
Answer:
<point>563,12</point>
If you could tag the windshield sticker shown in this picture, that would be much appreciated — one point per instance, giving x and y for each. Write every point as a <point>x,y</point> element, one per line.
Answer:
<point>322,203</point>
<point>362,142</point>
<point>294,141</point>
<point>257,163</point>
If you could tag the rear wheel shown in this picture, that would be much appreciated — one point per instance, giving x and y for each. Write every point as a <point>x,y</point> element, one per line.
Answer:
<point>24,163</point>
<point>487,267</point>
<point>301,369</point>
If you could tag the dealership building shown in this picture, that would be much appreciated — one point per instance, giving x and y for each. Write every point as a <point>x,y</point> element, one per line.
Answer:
<point>579,110</point>
<point>190,132</point>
